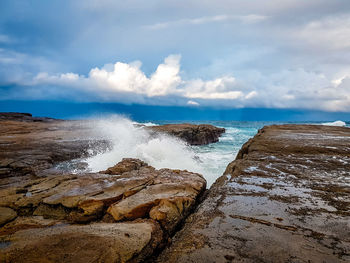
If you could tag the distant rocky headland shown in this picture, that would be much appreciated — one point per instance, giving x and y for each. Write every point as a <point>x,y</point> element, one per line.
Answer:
<point>286,198</point>
<point>191,133</point>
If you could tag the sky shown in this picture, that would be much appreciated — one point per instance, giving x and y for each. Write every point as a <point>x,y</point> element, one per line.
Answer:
<point>272,54</point>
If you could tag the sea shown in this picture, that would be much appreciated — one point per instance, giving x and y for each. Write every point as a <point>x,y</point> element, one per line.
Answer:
<point>130,140</point>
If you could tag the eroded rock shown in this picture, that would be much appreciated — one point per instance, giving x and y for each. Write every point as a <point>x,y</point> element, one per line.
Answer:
<point>191,133</point>
<point>49,205</point>
<point>6,215</point>
<point>99,242</point>
<point>286,198</point>
<point>126,165</point>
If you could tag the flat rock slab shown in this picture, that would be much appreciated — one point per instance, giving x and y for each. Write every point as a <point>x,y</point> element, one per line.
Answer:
<point>286,198</point>
<point>99,242</point>
<point>191,133</point>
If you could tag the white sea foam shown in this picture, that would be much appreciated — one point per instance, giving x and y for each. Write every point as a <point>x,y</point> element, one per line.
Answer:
<point>335,123</point>
<point>132,141</point>
<point>149,124</point>
<point>144,123</point>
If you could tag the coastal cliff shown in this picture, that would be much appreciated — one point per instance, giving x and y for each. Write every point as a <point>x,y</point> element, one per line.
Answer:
<point>286,198</point>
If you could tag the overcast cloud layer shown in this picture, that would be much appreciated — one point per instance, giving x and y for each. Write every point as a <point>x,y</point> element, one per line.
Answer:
<point>275,54</point>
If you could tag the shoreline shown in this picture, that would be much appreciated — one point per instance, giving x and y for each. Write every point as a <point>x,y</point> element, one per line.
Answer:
<point>251,201</point>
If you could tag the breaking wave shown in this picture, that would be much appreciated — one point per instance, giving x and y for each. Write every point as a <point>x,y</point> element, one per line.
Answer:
<point>335,123</point>
<point>132,140</point>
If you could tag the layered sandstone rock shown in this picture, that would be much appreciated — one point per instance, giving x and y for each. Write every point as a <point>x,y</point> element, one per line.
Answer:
<point>48,206</point>
<point>98,242</point>
<point>286,198</point>
<point>191,133</point>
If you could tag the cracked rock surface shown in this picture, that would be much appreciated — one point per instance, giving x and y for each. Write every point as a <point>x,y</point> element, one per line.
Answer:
<point>286,198</point>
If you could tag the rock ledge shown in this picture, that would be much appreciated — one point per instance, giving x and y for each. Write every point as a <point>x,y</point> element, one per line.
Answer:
<point>45,213</point>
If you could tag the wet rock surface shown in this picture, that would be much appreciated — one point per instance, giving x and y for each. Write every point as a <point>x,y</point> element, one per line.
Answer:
<point>29,145</point>
<point>98,242</point>
<point>286,198</point>
<point>51,207</point>
<point>191,133</point>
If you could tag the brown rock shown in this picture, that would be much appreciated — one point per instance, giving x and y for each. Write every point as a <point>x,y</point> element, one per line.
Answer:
<point>50,204</point>
<point>191,133</point>
<point>126,165</point>
<point>169,212</point>
<point>286,198</point>
<point>6,215</point>
<point>25,222</point>
<point>168,199</point>
<point>130,195</point>
<point>29,145</point>
<point>100,242</point>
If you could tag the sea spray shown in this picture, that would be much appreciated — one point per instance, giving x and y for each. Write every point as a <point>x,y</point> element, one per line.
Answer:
<point>335,123</point>
<point>131,140</point>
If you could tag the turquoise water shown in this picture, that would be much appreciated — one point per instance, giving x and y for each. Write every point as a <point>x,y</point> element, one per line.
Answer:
<point>130,140</point>
<point>215,157</point>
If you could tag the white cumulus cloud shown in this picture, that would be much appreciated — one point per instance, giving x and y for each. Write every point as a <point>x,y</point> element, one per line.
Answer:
<point>126,82</point>
<point>129,78</point>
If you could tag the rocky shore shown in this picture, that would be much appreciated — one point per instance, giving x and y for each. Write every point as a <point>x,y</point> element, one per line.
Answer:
<point>123,214</point>
<point>29,144</point>
<point>286,198</point>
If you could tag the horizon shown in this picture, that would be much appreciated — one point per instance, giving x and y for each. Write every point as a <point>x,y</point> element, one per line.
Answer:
<point>139,112</point>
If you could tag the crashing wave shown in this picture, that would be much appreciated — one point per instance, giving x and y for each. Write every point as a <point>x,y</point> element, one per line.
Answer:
<point>131,140</point>
<point>335,123</point>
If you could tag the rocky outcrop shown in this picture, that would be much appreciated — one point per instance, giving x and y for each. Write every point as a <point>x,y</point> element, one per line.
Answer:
<point>29,144</point>
<point>286,198</point>
<point>48,209</point>
<point>191,133</point>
